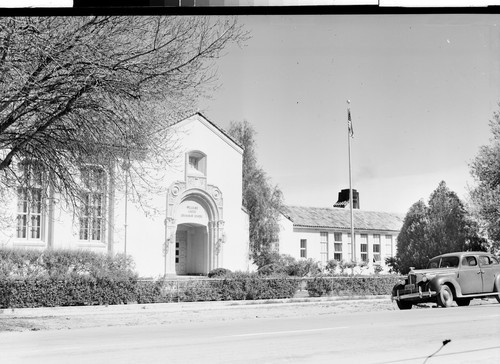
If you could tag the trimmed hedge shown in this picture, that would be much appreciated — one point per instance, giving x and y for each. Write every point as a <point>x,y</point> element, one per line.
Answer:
<point>73,291</point>
<point>339,286</point>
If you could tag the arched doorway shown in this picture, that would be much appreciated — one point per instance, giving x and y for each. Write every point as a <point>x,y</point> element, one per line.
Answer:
<point>194,230</point>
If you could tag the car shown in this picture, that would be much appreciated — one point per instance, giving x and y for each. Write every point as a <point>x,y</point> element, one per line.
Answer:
<point>460,277</point>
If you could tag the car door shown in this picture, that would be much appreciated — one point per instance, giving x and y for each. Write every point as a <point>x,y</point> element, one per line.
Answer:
<point>487,272</point>
<point>469,275</point>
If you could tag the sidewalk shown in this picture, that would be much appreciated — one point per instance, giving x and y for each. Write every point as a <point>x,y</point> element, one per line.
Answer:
<point>175,307</point>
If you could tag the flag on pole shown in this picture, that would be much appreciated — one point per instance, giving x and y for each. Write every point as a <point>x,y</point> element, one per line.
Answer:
<point>349,123</point>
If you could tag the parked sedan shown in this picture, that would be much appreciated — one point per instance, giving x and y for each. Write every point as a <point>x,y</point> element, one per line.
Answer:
<point>450,277</point>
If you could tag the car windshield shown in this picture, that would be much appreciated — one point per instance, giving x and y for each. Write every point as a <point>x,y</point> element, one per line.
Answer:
<point>443,262</point>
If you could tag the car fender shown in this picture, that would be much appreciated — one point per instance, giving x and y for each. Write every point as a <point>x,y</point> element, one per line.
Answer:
<point>438,281</point>
<point>496,286</point>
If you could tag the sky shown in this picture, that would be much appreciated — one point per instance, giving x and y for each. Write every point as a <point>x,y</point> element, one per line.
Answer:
<point>422,87</point>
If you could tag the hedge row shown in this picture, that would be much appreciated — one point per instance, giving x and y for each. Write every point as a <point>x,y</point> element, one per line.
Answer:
<point>339,286</point>
<point>87,290</point>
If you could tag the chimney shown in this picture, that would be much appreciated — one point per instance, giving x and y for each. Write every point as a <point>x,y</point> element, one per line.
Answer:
<point>343,200</point>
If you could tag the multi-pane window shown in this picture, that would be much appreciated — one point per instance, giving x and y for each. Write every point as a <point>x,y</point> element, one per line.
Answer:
<point>364,247</point>
<point>376,248</point>
<point>323,247</point>
<point>388,246</point>
<point>303,248</point>
<point>337,247</point>
<point>349,247</point>
<point>92,204</point>
<point>29,203</point>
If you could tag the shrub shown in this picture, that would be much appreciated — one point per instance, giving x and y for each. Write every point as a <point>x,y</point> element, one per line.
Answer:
<point>319,286</point>
<point>374,285</point>
<point>331,266</point>
<point>218,272</point>
<point>22,263</point>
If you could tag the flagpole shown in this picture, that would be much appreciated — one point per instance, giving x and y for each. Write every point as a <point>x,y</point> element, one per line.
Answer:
<point>351,197</point>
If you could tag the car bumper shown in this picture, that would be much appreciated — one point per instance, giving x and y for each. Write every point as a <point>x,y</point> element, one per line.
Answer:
<point>403,295</point>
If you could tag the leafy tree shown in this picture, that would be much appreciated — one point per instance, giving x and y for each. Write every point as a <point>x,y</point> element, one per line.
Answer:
<point>485,197</point>
<point>79,90</point>
<point>262,200</point>
<point>441,227</point>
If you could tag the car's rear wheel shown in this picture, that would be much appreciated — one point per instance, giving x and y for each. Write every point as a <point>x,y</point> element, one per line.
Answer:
<point>403,305</point>
<point>463,301</point>
<point>445,296</point>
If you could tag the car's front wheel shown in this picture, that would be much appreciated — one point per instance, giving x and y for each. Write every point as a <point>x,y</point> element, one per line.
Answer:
<point>403,305</point>
<point>445,296</point>
<point>463,301</point>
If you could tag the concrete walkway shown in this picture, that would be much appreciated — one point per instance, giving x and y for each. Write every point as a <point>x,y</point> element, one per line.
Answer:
<point>174,307</point>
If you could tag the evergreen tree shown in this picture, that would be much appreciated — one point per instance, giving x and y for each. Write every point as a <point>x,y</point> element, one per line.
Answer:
<point>444,226</point>
<point>485,197</point>
<point>262,200</point>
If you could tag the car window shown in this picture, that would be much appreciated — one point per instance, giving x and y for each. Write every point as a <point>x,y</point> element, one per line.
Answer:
<point>449,262</point>
<point>484,260</point>
<point>494,260</point>
<point>433,263</point>
<point>469,261</point>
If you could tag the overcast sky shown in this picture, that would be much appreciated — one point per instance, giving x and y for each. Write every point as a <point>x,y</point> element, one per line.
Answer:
<point>422,90</point>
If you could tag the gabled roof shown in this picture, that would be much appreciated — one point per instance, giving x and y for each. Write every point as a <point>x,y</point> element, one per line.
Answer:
<point>182,117</point>
<point>340,218</point>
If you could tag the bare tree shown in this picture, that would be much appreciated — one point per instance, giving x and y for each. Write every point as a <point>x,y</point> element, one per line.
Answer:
<point>79,90</point>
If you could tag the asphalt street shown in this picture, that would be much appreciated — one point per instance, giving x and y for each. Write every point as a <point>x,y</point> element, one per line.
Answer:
<point>368,337</point>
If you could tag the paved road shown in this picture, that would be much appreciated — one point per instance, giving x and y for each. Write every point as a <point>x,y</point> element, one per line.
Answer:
<point>376,337</point>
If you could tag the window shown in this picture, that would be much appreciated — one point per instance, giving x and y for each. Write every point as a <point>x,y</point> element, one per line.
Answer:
<point>92,204</point>
<point>177,250</point>
<point>469,261</point>
<point>484,260</point>
<point>303,248</point>
<point>376,248</point>
<point>364,247</point>
<point>29,202</point>
<point>323,247</point>
<point>349,247</point>
<point>337,247</point>
<point>388,246</point>
<point>196,163</point>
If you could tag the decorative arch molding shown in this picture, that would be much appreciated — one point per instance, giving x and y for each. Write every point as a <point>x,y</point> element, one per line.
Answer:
<point>211,199</point>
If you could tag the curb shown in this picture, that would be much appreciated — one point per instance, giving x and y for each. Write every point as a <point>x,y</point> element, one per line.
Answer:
<point>176,307</point>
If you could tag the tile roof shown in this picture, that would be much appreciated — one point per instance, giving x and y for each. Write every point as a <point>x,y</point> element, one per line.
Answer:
<point>340,218</point>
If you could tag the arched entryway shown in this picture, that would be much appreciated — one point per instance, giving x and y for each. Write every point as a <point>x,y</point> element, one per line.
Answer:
<point>194,230</point>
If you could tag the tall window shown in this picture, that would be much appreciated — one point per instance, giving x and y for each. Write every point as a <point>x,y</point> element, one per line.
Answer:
<point>388,246</point>
<point>323,247</point>
<point>376,248</point>
<point>303,248</point>
<point>349,247</point>
<point>337,247</point>
<point>29,202</point>
<point>364,247</point>
<point>93,203</point>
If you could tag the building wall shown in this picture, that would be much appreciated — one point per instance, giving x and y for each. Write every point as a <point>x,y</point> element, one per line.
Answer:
<point>143,233</point>
<point>290,243</point>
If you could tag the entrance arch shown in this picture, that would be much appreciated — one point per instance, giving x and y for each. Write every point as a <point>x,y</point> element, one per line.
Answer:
<point>194,230</point>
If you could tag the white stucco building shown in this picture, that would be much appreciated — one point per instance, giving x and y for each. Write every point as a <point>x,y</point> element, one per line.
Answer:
<point>324,234</point>
<point>198,225</point>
